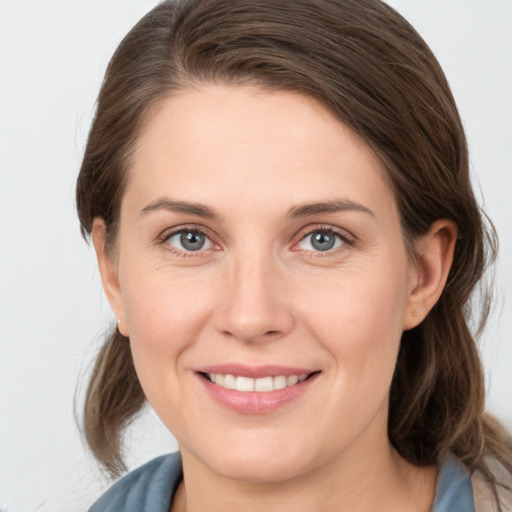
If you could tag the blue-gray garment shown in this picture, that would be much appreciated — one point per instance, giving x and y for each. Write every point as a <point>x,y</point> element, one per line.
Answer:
<point>150,488</point>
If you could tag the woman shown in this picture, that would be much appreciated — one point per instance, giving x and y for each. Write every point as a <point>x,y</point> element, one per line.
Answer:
<point>279,200</point>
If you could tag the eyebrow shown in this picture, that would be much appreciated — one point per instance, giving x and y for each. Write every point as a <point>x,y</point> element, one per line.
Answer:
<point>337,205</point>
<point>171,205</point>
<point>296,212</point>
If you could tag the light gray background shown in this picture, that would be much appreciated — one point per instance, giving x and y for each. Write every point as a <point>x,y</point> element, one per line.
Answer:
<point>52,311</point>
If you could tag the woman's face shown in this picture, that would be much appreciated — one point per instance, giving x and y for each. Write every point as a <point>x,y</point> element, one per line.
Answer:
<point>260,244</point>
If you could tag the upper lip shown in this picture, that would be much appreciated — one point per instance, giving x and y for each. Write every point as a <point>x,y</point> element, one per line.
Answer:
<point>241,370</point>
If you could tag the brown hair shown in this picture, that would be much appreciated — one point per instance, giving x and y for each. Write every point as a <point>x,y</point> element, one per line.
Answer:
<point>371,69</point>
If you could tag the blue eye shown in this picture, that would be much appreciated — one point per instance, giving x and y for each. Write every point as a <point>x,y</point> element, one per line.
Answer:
<point>321,240</point>
<point>189,240</point>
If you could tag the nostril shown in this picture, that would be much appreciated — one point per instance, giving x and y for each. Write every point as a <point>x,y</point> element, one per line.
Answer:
<point>253,322</point>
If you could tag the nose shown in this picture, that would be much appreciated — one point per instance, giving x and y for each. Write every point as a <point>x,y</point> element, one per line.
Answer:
<point>254,305</point>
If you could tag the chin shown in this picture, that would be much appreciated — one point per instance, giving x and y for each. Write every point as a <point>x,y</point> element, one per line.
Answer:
<point>268,462</point>
<point>268,469</point>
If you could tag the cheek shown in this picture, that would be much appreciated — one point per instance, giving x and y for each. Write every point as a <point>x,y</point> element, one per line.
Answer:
<point>165,312</point>
<point>359,309</point>
<point>359,322</point>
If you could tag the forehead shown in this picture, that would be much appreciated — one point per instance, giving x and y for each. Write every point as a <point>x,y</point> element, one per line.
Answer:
<point>219,143</point>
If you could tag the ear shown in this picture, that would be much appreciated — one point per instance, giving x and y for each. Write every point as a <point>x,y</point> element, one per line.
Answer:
<point>434,256</point>
<point>108,266</point>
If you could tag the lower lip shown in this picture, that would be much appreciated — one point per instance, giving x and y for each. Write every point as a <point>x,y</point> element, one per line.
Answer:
<point>255,402</point>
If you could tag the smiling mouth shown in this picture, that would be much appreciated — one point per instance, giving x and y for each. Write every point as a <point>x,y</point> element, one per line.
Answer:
<point>260,384</point>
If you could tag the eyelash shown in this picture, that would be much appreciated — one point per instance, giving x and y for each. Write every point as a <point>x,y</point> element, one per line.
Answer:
<point>346,239</point>
<point>168,234</point>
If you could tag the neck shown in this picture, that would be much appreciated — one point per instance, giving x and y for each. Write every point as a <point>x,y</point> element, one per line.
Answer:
<point>351,482</point>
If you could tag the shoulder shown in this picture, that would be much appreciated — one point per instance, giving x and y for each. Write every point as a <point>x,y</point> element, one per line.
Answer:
<point>149,487</point>
<point>457,489</point>
<point>484,497</point>
<point>454,491</point>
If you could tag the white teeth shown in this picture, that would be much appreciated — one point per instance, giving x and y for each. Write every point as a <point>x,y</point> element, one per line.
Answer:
<point>229,382</point>
<point>244,384</point>
<point>292,380</point>
<point>279,382</point>
<point>262,384</point>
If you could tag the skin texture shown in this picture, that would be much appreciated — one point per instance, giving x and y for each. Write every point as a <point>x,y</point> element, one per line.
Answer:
<point>259,293</point>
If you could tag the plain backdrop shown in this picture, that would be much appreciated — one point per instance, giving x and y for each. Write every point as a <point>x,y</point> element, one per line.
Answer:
<point>52,310</point>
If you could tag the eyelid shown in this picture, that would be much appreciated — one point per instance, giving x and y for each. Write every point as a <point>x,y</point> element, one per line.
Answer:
<point>169,232</point>
<point>348,239</point>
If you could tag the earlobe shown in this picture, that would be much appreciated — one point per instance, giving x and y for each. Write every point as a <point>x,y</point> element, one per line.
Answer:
<point>434,256</point>
<point>107,265</point>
